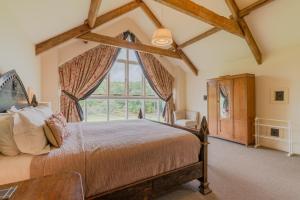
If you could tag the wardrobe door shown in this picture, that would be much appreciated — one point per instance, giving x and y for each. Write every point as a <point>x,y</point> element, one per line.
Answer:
<point>212,107</point>
<point>225,111</point>
<point>251,109</point>
<point>240,110</point>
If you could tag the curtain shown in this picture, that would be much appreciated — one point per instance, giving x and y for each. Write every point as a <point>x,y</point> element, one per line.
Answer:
<point>159,79</point>
<point>81,76</point>
<point>224,102</point>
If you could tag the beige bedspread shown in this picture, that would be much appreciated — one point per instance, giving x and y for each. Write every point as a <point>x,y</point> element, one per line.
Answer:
<point>112,154</point>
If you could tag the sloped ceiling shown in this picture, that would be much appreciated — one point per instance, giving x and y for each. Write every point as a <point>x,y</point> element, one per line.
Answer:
<point>274,26</point>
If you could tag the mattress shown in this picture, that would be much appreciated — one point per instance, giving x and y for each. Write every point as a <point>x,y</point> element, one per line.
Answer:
<point>109,155</point>
<point>14,168</point>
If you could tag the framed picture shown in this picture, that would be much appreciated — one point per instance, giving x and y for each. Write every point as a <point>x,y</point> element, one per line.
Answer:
<point>279,95</point>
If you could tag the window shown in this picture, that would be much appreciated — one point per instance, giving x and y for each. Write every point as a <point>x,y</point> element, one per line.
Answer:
<point>123,92</point>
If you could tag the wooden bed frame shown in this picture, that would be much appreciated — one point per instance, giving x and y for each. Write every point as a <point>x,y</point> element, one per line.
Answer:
<point>13,93</point>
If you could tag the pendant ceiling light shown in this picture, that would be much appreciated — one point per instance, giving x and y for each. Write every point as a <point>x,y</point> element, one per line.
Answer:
<point>162,37</point>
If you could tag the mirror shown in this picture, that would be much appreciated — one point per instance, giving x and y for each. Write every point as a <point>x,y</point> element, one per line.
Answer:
<point>224,102</point>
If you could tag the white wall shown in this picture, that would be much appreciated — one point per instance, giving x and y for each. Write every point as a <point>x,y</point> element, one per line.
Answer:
<point>279,69</point>
<point>17,51</point>
<point>52,59</point>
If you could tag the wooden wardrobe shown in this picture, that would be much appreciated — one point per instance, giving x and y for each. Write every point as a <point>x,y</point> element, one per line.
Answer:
<point>231,107</point>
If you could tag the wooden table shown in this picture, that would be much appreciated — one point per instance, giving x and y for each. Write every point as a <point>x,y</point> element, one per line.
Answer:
<point>65,186</point>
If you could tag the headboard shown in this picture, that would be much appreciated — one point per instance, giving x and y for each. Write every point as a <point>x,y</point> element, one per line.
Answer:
<point>12,91</point>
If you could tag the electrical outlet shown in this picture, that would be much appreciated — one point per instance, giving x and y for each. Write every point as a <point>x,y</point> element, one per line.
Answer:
<point>275,132</point>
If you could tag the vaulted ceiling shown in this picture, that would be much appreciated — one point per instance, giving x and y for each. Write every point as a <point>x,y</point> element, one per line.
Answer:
<point>274,26</point>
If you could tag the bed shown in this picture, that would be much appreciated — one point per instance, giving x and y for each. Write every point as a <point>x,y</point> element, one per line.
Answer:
<point>135,159</point>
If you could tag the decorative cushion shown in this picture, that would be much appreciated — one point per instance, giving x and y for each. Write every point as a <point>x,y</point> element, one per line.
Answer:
<point>186,123</point>
<point>50,137</point>
<point>179,115</point>
<point>57,131</point>
<point>61,118</point>
<point>191,115</point>
<point>8,146</point>
<point>28,131</point>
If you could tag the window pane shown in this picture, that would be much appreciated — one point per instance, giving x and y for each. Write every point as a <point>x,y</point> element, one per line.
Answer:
<point>122,54</point>
<point>135,80</point>
<point>151,109</point>
<point>149,90</point>
<point>116,109</point>
<point>132,55</point>
<point>117,79</point>
<point>134,107</point>
<point>101,90</point>
<point>96,110</point>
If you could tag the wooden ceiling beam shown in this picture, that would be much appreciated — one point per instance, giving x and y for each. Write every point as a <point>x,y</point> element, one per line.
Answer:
<point>251,41</point>
<point>247,33</point>
<point>179,52</point>
<point>199,37</point>
<point>260,3</point>
<point>110,41</point>
<point>84,28</point>
<point>93,11</point>
<point>199,12</point>
<point>151,15</point>
<point>244,12</point>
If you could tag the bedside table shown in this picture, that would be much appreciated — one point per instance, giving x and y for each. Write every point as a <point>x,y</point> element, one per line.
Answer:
<point>65,186</point>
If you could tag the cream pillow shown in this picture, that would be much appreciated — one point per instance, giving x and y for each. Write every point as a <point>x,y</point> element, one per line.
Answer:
<point>28,131</point>
<point>8,146</point>
<point>44,110</point>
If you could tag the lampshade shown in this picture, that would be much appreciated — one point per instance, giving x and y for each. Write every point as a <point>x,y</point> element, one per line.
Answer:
<point>162,37</point>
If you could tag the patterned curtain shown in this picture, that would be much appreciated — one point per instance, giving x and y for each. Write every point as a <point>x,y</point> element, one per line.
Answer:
<point>81,76</point>
<point>159,79</point>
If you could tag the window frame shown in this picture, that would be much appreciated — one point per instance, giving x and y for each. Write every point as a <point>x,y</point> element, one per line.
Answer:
<point>108,96</point>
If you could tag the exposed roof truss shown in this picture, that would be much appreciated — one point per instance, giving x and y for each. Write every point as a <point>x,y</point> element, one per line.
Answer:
<point>84,28</point>
<point>235,24</point>
<point>94,8</point>
<point>242,13</point>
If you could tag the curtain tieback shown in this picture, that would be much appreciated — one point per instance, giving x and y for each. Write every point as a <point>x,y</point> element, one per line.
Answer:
<point>165,108</point>
<point>70,96</point>
<point>169,97</point>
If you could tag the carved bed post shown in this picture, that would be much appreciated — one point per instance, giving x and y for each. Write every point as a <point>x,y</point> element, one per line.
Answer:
<point>204,185</point>
<point>140,116</point>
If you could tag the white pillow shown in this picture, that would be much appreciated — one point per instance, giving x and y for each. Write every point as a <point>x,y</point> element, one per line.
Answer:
<point>12,109</point>
<point>8,146</point>
<point>45,110</point>
<point>28,130</point>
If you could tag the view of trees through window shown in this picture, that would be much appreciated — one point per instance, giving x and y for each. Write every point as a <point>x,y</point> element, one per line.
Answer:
<point>123,92</point>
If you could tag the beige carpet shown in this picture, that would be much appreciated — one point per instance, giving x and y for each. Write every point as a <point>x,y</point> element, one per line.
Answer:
<point>240,173</point>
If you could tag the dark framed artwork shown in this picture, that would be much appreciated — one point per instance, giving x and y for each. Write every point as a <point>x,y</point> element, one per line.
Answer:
<point>279,95</point>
